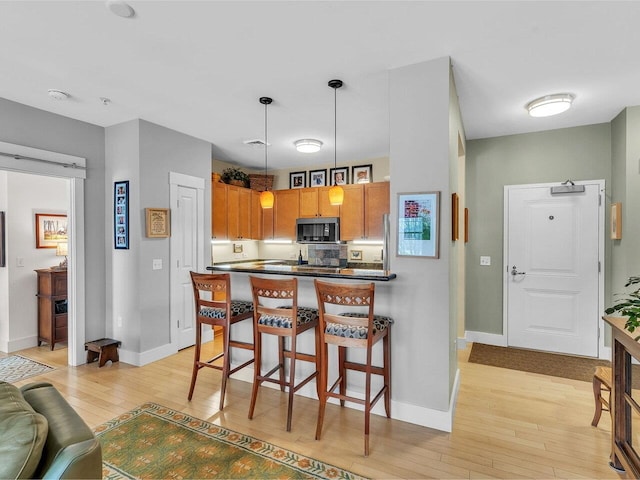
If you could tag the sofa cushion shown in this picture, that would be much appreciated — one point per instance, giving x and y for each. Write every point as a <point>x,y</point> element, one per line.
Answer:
<point>23,433</point>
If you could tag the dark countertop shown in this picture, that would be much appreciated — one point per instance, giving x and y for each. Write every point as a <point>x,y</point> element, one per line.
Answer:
<point>282,267</point>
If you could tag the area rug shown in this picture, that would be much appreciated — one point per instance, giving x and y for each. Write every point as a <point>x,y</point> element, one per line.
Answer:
<point>16,367</point>
<point>153,441</point>
<point>554,364</point>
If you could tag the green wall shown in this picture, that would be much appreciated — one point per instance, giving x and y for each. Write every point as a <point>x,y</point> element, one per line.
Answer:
<point>579,153</point>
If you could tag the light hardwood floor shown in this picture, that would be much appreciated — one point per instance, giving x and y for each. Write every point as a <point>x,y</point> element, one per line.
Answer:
<point>508,424</point>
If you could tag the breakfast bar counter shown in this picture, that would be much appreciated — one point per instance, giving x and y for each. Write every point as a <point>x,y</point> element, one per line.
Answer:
<point>280,267</point>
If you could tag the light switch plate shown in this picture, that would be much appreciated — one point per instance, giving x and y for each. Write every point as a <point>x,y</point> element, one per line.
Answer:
<point>157,264</point>
<point>485,261</point>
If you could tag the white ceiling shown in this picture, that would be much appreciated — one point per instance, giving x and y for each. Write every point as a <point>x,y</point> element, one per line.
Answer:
<point>199,67</point>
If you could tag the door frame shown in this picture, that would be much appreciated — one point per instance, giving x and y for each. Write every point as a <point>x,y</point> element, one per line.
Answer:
<point>47,163</point>
<point>181,180</point>
<point>603,352</point>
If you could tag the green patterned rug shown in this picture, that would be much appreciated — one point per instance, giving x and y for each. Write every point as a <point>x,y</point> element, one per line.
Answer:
<point>16,367</point>
<point>153,441</point>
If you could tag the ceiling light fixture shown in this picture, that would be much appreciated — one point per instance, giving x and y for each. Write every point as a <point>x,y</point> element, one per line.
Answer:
<point>266,197</point>
<point>550,105</point>
<point>58,94</point>
<point>336,193</point>
<point>308,145</point>
<point>121,9</point>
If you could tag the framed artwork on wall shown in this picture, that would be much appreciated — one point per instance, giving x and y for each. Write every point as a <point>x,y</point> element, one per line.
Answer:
<point>419,224</point>
<point>158,222</point>
<point>51,229</point>
<point>297,179</point>
<point>362,174</point>
<point>339,176</point>
<point>318,178</point>
<point>121,215</point>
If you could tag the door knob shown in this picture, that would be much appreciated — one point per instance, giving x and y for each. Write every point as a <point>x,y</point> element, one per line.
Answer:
<point>514,271</point>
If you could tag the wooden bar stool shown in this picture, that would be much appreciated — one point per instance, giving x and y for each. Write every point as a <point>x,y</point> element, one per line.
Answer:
<point>601,384</point>
<point>358,330</point>
<point>214,306</point>
<point>286,321</point>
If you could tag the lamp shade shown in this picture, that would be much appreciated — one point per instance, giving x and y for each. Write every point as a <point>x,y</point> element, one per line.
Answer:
<point>336,195</point>
<point>62,249</point>
<point>266,199</point>
<point>308,145</point>
<point>550,105</point>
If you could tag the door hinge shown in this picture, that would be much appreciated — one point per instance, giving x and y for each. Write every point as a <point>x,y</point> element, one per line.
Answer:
<point>599,266</point>
<point>599,199</point>
<point>178,323</point>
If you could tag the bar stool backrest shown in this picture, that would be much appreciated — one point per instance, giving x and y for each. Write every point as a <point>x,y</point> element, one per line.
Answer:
<point>267,292</point>
<point>353,297</point>
<point>212,291</point>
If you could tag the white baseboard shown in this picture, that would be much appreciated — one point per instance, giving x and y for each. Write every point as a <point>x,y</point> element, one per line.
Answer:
<point>155,354</point>
<point>498,340</point>
<point>406,412</point>
<point>10,346</point>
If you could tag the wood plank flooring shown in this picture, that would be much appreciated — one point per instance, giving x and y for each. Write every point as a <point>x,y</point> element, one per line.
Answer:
<point>508,424</point>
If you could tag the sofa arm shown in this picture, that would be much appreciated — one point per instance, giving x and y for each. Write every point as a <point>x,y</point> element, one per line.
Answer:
<point>71,449</point>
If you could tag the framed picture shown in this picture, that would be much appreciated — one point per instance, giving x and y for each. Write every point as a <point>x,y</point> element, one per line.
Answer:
<point>3,255</point>
<point>297,179</point>
<point>51,228</point>
<point>318,178</point>
<point>158,222</point>
<point>362,174</point>
<point>355,255</point>
<point>339,176</point>
<point>419,224</point>
<point>121,215</point>
<point>616,221</point>
<point>466,225</point>
<point>455,205</point>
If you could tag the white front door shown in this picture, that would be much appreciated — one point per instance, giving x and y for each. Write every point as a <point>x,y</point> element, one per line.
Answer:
<point>552,274</point>
<point>187,218</point>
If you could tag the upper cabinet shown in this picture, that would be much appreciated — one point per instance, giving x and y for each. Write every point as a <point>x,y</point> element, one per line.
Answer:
<point>362,210</point>
<point>234,215</point>
<point>286,210</point>
<point>314,202</point>
<point>219,230</point>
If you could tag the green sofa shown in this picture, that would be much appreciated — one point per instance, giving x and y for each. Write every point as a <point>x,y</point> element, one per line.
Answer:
<point>41,436</point>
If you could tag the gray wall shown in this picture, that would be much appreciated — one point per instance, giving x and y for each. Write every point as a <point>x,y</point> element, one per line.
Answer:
<point>419,162</point>
<point>144,154</point>
<point>580,153</point>
<point>23,125</point>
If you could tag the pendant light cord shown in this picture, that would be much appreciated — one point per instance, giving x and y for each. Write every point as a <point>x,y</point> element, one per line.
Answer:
<point>265,101</point>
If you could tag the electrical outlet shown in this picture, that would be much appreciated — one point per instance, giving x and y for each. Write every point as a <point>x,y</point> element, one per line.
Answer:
<point>485,261</point>
<point>157,264</point>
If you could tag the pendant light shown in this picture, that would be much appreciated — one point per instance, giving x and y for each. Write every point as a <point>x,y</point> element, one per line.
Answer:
<point>266,197</point>
<point>336,193</point>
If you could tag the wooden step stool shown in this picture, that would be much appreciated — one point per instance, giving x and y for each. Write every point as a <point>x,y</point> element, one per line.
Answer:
<point>102,350</point>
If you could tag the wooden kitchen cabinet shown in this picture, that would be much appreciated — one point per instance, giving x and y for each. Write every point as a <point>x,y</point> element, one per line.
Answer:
<point>52,306</point>
<point>362,209</point>
<point>219,227</point>
<point>238,213</point>
<point>314,202</point>
<point>285,212</point>
<point>256,216</point>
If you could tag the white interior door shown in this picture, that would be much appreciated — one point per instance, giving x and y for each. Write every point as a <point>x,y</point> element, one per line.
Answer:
<point>552,260</point>
<point>187,229</point>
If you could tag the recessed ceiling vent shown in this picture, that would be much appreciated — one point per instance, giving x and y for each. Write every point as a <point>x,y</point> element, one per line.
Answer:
<point>256,142</point>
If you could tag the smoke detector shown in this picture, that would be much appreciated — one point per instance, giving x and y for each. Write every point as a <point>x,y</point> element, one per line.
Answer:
<point>256,142</point>
<point>58,94</point>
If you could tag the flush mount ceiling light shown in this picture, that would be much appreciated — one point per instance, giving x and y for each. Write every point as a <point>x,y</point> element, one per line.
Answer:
<point>58,94</point>
<point>266,197</point>
<point>120,8</point>
<point>550,105</point>
<point>308,145</point>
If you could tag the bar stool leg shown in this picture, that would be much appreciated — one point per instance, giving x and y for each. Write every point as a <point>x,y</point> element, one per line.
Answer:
<point>281,347</point>
<point>386,346</point>
<point>367,404</point>
<point>597,392</point>
<point>322,381</point>
<point>291,382</point>
<point>226,338</point>
<point>342,358</point>
<point>257,365</point>
<point>196,359</point>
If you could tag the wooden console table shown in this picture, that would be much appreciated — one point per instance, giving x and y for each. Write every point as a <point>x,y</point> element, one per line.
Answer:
<point>52,306</point>
<point>625,409</point>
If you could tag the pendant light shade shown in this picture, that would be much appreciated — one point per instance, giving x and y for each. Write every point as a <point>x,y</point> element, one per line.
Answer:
<point>266,197</point>
<point>336,193</point>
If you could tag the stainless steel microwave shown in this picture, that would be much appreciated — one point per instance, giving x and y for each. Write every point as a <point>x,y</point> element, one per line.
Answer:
<point>318,230</point>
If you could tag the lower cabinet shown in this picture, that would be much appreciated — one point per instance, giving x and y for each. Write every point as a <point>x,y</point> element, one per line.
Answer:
<point>52,306</point>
